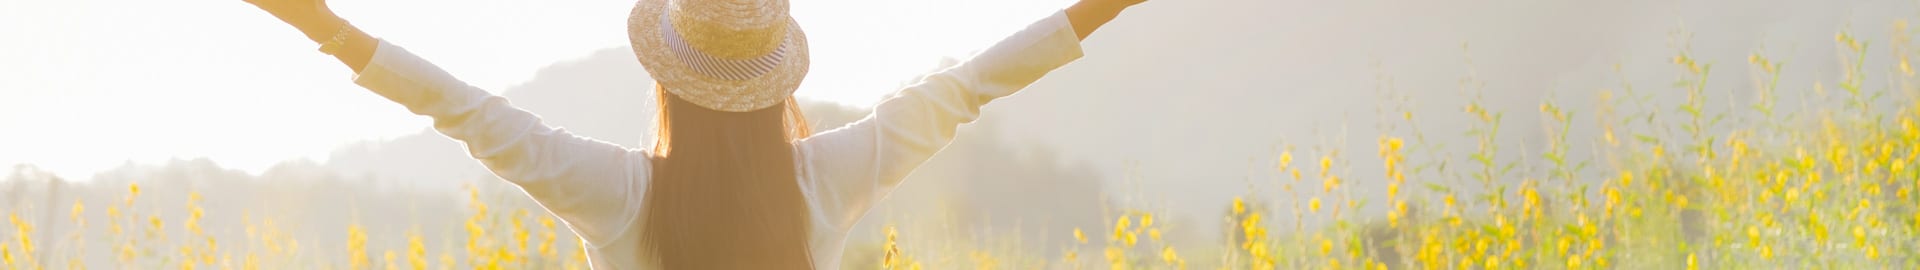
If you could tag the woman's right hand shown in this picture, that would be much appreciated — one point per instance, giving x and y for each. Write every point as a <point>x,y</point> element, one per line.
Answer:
<point>1087,15</point>
<point>310,16</point>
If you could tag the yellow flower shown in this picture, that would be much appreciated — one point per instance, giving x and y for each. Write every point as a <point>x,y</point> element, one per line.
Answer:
<point>1167,254</point>
<point>78,209</point>
<point>416,251</point>
<point>1132,238</point>
<point>1326,246</point>
<point>1077,235</point>
<point>1286,158</point>
<point>1606,132</point>
<point>521,237</point>
<point>1691,263</point>
<point>1565,244</point>
<point>1239,206</point>
<point>357,247</point>
<point>1393,217</point>
<point>392,260</point>
<point>1859,235</point>
<point>1626,179</point>
<point>1393,189</point>
<point>892,257</point>
<point>14,218</point>
<point>1326,165</point>
<point>1905,68</point>
<point>1313,205</point>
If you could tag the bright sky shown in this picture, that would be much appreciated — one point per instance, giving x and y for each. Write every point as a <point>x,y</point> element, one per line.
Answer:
<point>87,85</point>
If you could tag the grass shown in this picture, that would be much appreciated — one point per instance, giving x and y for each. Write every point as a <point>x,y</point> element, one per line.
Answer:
<point>1665,184</point>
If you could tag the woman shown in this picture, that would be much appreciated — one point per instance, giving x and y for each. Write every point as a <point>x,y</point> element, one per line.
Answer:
<point>734,180</point>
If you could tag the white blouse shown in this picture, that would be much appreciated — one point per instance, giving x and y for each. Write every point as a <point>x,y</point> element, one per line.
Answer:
<point>596,186</point>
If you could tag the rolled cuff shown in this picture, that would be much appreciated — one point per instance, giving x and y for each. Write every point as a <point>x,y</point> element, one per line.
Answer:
<point>405,78</point>
<point>1028,55</point>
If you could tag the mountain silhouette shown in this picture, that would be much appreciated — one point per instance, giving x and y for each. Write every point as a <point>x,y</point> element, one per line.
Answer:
<point>608,96</point>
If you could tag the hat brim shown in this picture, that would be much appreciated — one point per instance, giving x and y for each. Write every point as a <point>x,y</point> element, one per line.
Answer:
<point>772,88</point>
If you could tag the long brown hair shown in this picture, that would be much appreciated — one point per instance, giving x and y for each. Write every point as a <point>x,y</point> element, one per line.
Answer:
<point>725,192</point>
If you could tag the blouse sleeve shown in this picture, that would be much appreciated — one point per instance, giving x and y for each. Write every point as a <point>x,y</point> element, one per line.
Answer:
<point>850,167</point>
<point>588,183</point>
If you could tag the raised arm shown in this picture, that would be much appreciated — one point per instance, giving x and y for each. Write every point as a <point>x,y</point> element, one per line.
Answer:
<point>586,182</point>
<point>850,167</point>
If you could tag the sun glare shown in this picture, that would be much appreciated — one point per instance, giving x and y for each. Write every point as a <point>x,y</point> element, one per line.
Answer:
<point>93,91</point>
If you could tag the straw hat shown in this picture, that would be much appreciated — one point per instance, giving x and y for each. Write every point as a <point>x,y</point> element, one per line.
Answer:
<point>725,55</point>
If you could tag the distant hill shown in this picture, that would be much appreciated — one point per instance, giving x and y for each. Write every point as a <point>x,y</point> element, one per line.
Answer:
<point>608,96</point>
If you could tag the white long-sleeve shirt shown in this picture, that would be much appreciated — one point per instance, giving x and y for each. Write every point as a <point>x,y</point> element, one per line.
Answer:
<point>596,186</point>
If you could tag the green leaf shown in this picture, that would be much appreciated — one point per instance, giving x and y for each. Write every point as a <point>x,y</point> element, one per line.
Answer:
<point>1647,138</point>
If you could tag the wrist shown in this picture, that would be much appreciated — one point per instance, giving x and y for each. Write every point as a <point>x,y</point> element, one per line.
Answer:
<point>1100,6</point>
<point>322,27</point>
